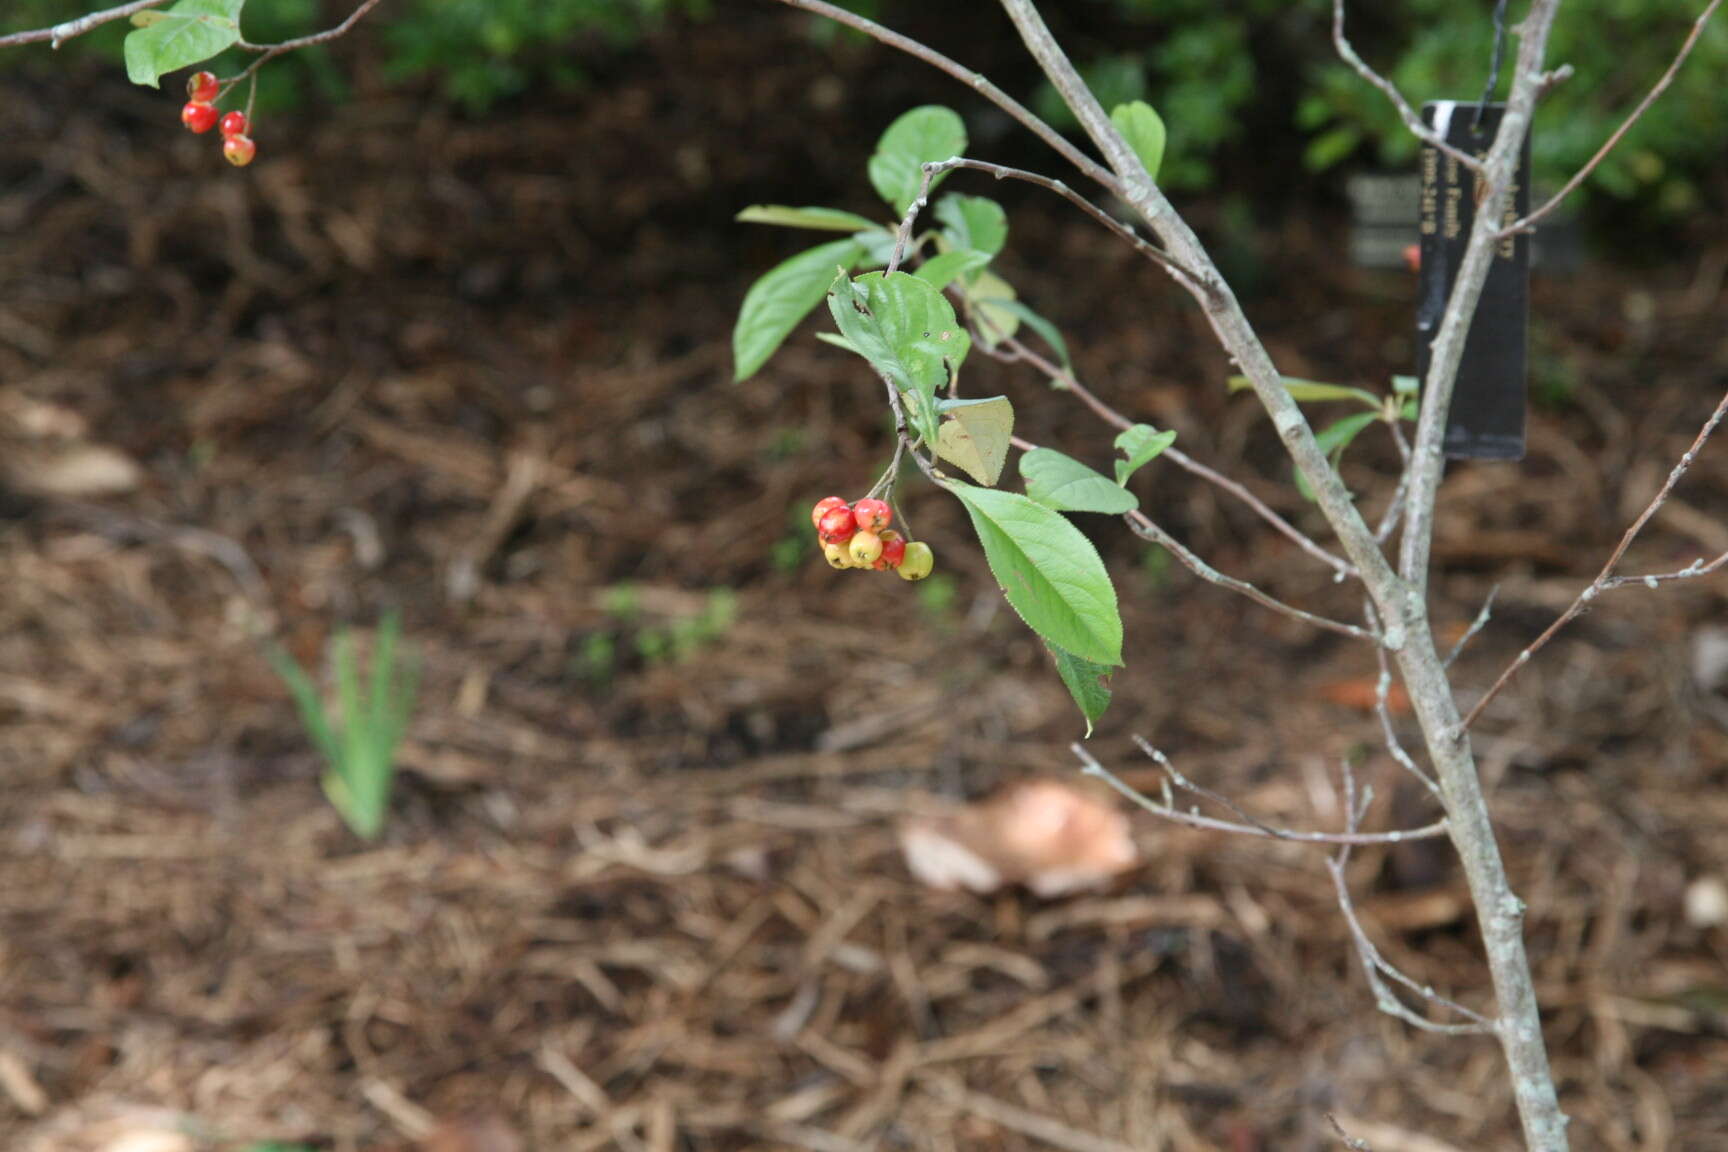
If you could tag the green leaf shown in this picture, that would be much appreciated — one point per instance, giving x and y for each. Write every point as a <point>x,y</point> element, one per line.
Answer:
<point>974,222</point>
<point>1333,439</point>
<point>878,248</point>
<point>1143,128</point>
<point>781,298</point>
<point>1140,444</point>
<point>1330,147</point>
<point>907,330</point>
<point>1049,572</point>
<point>941,271</point>
<point>1046,330</point>
<point>821,219</point>
<point>1066,485</point>
<point>189,33</point>
<point>312,715</point>
<point>1086,681</point>
<point>975,436</point>
<point>990,296</point>
<point>839,342</point>
<point>1405,385</point>
<point>922,136</point>
<point>1310,391</point>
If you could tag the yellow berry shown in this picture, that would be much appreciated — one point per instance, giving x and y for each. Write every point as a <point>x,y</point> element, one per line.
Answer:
<point>918,562</point>
<point>864,548</point>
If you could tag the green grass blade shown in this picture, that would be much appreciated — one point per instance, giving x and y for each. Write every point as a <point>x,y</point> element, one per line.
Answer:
<point>311,709</point>
<point>378,705</point>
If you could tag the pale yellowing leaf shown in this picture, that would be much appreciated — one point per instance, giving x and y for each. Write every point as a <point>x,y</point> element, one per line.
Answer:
<point>975,437</point>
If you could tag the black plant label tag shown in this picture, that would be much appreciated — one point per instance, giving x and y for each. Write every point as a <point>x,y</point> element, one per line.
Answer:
<point>1486,421</point>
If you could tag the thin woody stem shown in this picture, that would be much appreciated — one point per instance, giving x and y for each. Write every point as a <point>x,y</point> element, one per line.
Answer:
<point>1405,112</point>
<point>1144,527</point>
<point>1374,965</point>
<point>60,33</point>
<point>1091,767</point>
<point>1578,177</point>
<point>1605,579</point>
<point>968,77</point>
<point>1383,709</point>
<point>1067,381</point>
<point>1399,595</point>
<point>268,52</point>
<point>1122,231</point>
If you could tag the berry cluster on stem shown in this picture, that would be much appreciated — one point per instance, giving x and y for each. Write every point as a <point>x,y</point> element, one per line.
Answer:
<point>200,115</point>
<point>858,536</point>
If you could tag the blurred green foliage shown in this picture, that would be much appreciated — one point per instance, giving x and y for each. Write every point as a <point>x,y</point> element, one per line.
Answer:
<point>1204,66</point>
<point>1220,73</point>
<point>477,51</point>
<point>482,50</point>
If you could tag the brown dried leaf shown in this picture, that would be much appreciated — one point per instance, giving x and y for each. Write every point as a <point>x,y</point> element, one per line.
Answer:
<point>473,1134</point>
<point>1052,836</point>
<point>74,471</point>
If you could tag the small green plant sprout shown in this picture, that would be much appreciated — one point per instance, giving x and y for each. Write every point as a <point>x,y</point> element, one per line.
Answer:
<point>360,746</point>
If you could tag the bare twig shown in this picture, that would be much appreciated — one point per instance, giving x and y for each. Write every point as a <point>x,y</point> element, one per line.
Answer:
<point>1651,580</point>
<point>268,52</point>
<point>1122,231</point>
<point>1476,625</point>
<point>1428,464</point>
<point>1499,912</point>
<point>1354,1143</point>
<point>1223,312</point>
<point>1383,709</point>
<point>903,234</point>
<point>1144,527</point>
<point>1613,141</point>
<point>1067,381</point>
<point>1374,965</point>
<point>65,31</point>
<point>1604,579</point>
<point>1405,113</point>
<point>1091,767</point>
<point>971,79</point>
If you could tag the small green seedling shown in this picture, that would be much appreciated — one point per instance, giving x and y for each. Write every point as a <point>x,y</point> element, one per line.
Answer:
<point>361,749</point>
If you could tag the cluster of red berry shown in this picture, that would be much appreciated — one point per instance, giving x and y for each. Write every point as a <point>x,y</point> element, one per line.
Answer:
<point>200,116</point>
<point>858,536</point>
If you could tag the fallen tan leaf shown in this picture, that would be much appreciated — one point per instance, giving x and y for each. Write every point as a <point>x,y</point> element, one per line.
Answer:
<point>1050,835</point>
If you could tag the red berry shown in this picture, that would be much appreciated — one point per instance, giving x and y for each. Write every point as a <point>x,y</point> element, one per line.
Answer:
<point>837,526</point>
<point>824,506</point>
<point>1413,257</point>
<point>234,124</point>
<point>864,548</point>
<point>872,515</point>
<point>202,86</point>
<point>893,552</point>
<point>199,116</point>
<point>239,150</point>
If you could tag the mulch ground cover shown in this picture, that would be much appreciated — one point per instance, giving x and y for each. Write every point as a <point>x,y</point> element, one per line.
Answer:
<point>640,887</point>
